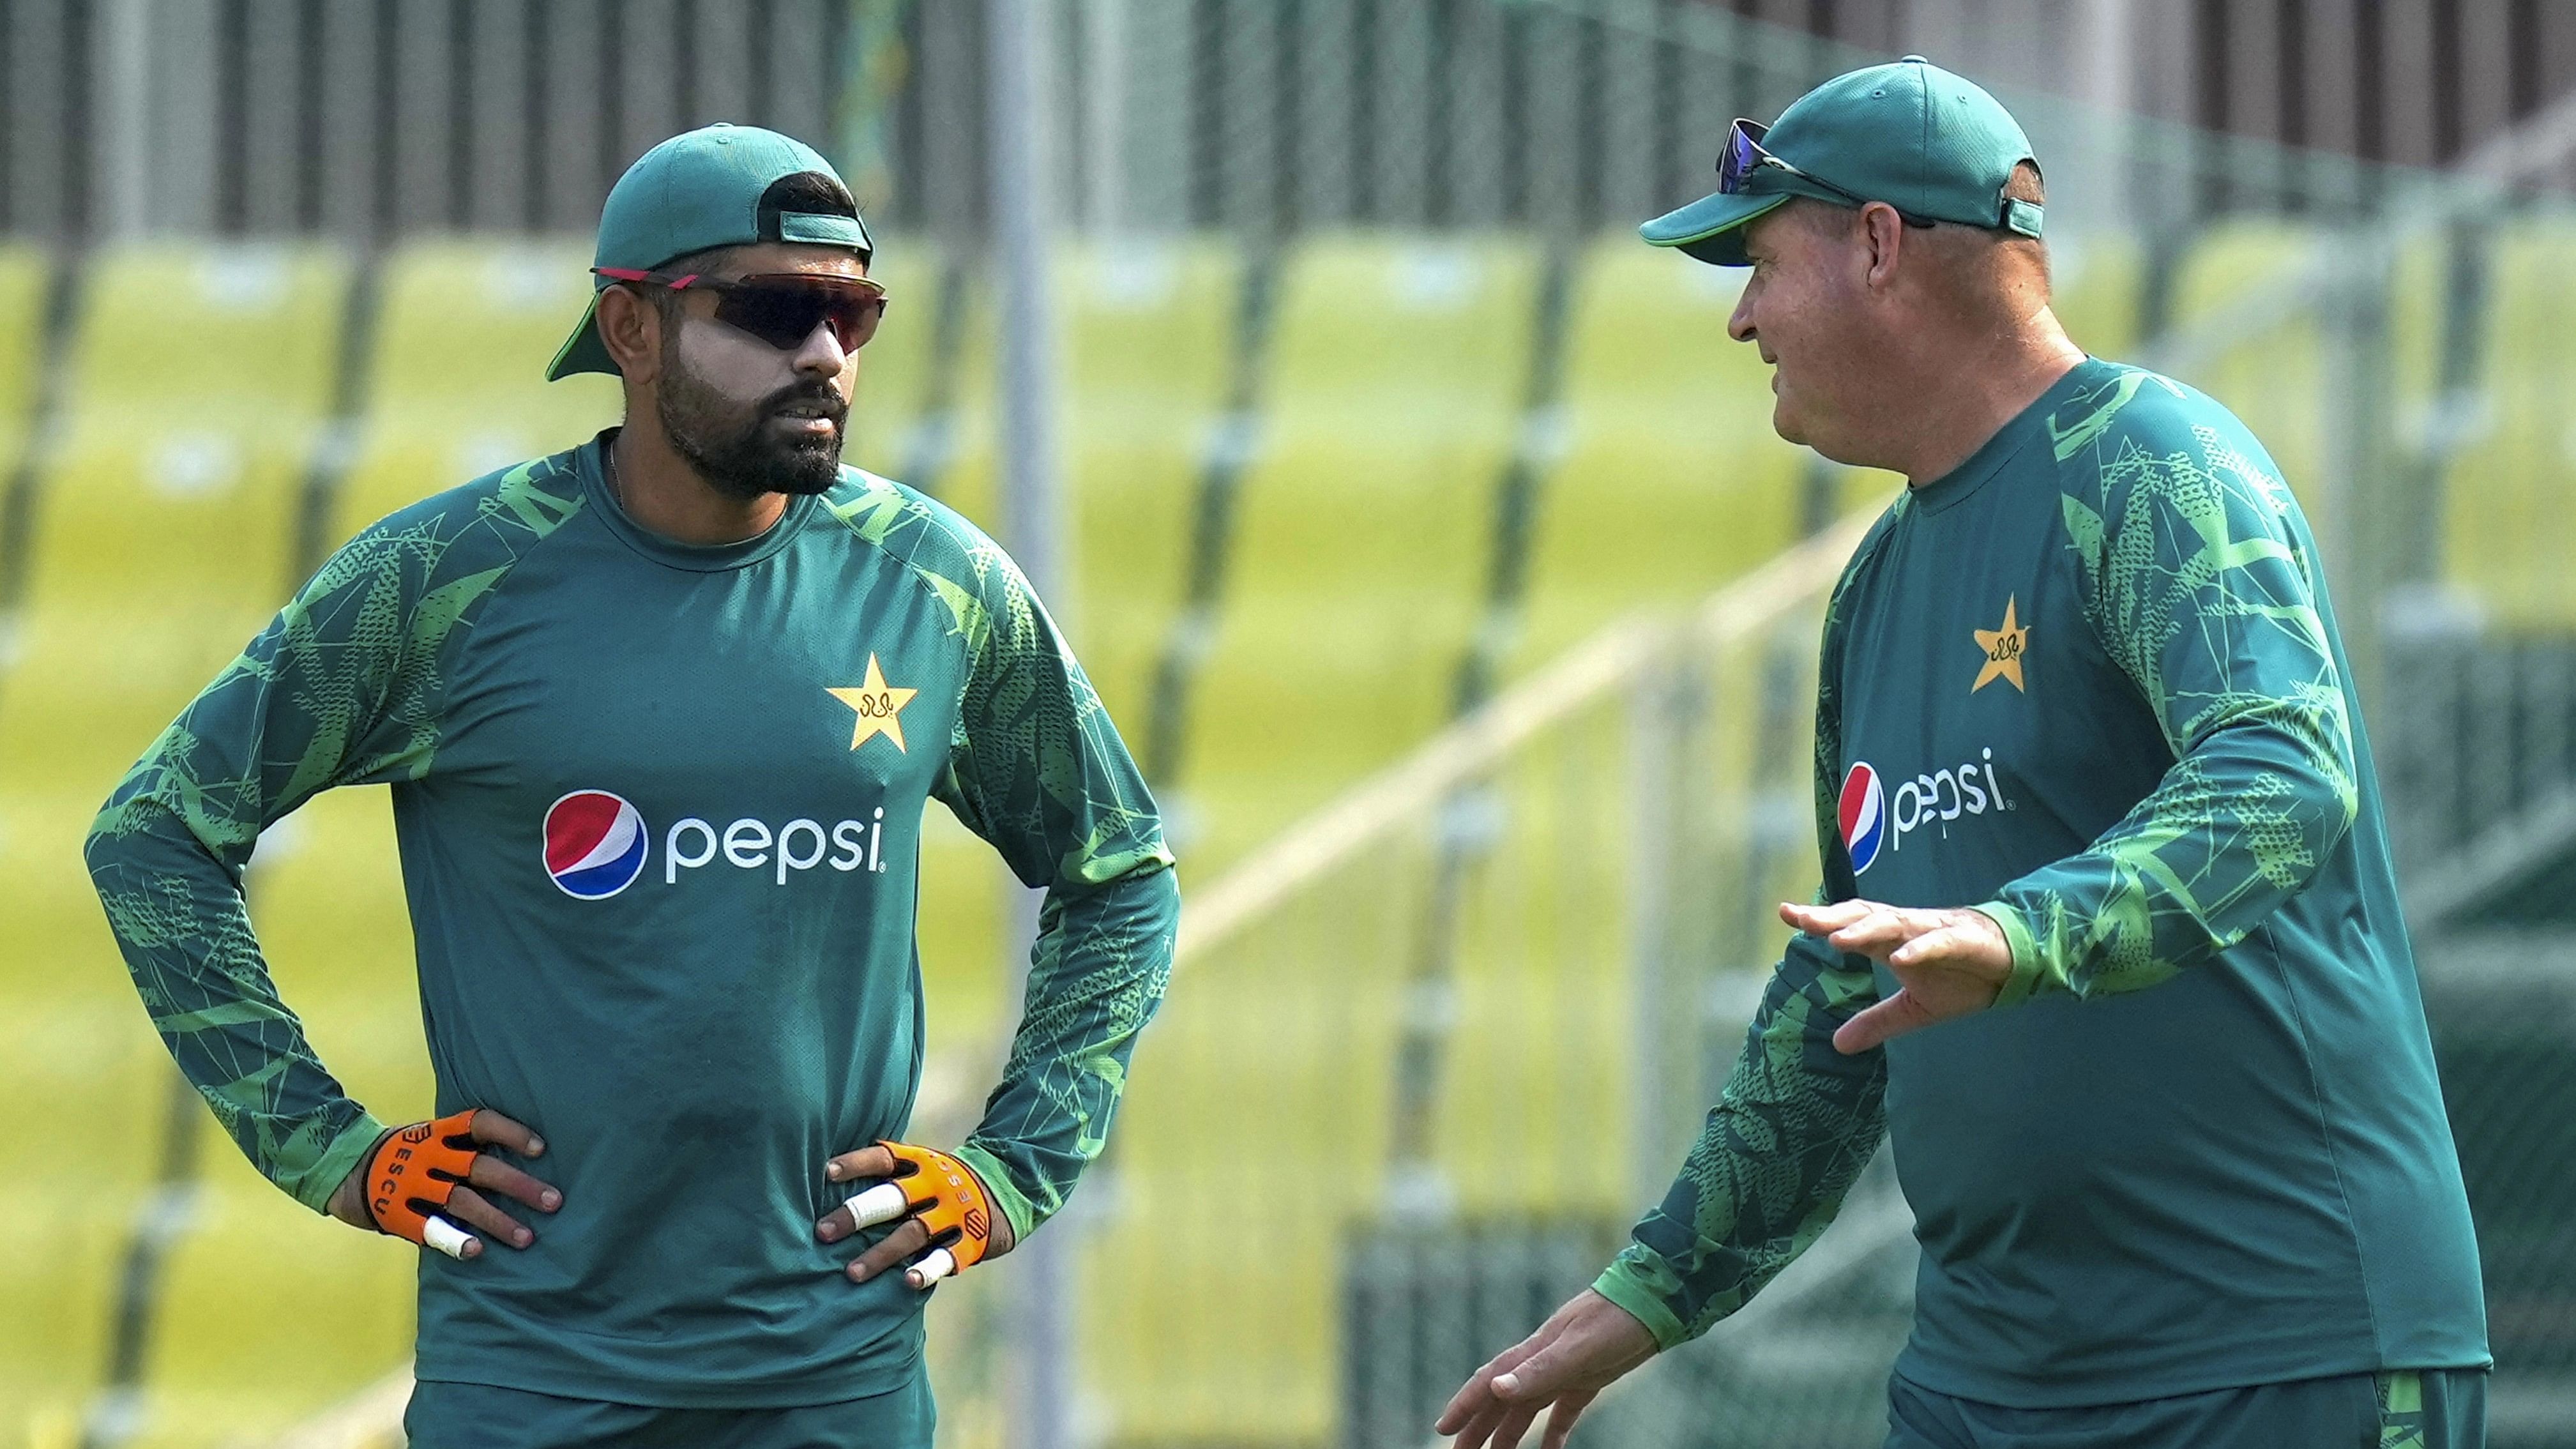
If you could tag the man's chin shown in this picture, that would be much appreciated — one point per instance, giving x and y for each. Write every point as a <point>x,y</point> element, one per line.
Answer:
<point>1786,422</point>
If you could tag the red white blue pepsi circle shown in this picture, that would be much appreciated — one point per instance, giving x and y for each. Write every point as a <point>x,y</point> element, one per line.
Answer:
<point>1864,815</point>
<point>595,844</point>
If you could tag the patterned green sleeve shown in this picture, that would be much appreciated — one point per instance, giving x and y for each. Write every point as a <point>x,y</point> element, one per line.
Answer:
<point>1793,1128</point>
<point>338,689</point>
<point>1037,769</point>
<point>2199,582</point>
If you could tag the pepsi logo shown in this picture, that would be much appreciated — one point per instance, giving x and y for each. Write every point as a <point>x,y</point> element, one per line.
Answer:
<point>595,844</point>
<point>1864,816</point>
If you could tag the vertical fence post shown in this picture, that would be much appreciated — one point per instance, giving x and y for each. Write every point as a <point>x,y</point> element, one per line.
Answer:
<point>1032,509</point>
<point>122,115</point>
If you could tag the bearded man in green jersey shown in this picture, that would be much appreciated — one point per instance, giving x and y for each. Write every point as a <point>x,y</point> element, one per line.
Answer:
<point>661,715</point>
<point>2108,944</point>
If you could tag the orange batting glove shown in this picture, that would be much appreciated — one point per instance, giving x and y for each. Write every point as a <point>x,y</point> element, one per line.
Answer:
<point>420,1182</point>
<point>947,1215</point>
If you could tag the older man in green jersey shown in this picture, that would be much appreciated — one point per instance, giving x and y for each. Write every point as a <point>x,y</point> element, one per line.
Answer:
<point>661,715</point>
<point>2109,943</point>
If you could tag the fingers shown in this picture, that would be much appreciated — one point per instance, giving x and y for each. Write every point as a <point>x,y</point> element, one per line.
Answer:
<point>498,1176</point>
<point>1893,1017</point>
<point>1471,1399</point>
<point>448,1238</point>
<point>1931,946</point>
<point>474,1210</point>
<point>1824,920</point>
<point>1513,1424</point>
<point>490,1126</point>
<point>936,1264</point>
<point>1560,1420</point>
<point>882,1203</point>
<point>898,1247</point>
<point>1479,1428</point>
<point>1881,930</point>
<point>866,1162</point>
<point>1475,1395</point>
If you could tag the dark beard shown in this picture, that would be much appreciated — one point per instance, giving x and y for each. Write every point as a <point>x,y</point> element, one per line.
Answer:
<point>734,451</point>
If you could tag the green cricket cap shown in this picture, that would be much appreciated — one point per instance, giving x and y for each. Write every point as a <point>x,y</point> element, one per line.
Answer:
<point>711,187</point>
<point>1931,144</point>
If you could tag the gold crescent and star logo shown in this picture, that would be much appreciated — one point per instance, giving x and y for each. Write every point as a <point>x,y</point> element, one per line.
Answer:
<point>879,705</point>
<point>2003,648</point>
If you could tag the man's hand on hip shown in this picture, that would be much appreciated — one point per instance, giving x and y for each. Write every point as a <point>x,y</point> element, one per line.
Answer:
<point>1559,1370</point>
<point>1950,963</point>
<point>941,1210</point>
<point>416,1178</point>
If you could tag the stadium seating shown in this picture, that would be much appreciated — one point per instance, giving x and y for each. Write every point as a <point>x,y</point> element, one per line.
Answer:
<point>1672,480</point>
<point>455,384</point>
<point>1395,374</point>
<point>2506,538</point>
<point>1256,1134</point>
<point>1148,347</point>
<point>198,381</point>
<point>2272,375</point>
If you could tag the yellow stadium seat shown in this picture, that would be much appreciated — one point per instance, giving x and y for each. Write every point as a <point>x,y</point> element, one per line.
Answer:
<point>161,535</point>
<point>2271,374</point>
<point>1148,355</point>
<point>23,278</point>
<point>1672,481</point>
<point>199,378</point>
<point>455,382</point>
<point>1395,377</point>
<point>1395,374</point>
<point>2506,530</point>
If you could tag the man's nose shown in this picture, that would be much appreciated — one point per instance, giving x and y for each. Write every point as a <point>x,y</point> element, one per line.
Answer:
<point>1739,323</point>
<point>820,353</point>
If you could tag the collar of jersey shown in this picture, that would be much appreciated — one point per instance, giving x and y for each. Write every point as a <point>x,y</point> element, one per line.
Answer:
<point>704,558</point>
<point>1950,488</point>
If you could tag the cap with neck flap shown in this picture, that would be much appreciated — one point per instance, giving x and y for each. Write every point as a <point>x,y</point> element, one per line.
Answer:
<point>1925,141</point>
<point>716,186</point>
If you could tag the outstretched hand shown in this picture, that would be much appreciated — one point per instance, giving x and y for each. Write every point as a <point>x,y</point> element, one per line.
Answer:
<point>1558,1370</point>
<point>1949,963</point>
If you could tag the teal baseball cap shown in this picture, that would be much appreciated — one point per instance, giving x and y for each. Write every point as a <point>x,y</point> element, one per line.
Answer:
<point>1933,145</point>
<point>717,186</point>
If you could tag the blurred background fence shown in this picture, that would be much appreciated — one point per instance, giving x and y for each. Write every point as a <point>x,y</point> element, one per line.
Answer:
<point>1423,532</point>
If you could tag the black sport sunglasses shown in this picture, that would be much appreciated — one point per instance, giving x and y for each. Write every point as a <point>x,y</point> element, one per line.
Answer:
<point>780,308</point>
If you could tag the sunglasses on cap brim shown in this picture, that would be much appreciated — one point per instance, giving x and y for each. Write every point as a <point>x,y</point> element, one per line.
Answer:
<point>1745,157</point>
<point>780,308</point>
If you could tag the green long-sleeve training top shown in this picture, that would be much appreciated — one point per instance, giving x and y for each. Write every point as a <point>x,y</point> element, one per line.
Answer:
<point>2089,682</point>
<point>658,809</point>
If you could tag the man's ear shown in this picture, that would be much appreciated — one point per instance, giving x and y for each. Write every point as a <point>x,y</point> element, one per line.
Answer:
<point>631,329</point>
<point>1885,229</point>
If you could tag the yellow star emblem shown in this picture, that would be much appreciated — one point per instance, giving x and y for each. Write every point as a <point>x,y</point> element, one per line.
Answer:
<point>2003,650</point>
<point>880,706</point>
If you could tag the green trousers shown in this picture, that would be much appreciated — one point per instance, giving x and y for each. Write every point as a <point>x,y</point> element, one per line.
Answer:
<point>479,1416</point>
<point>2427,1409</point>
